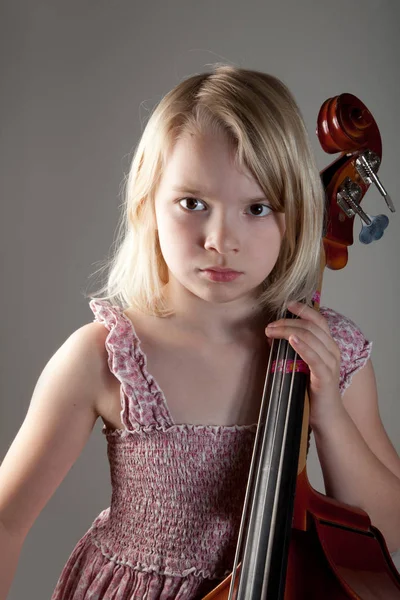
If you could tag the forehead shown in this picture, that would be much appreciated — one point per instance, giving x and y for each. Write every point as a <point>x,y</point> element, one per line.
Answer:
<point>206,159</point>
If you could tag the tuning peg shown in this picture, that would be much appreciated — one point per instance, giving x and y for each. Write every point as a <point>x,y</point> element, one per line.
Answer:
<point>374,231</point>
<point>366,164</point>
<point>348,198</point>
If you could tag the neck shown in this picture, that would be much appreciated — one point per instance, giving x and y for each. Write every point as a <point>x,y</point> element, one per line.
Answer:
<point>219,323</point>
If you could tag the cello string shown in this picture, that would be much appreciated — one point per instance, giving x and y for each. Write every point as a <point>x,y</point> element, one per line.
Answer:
<point>275,394</point>
<point>286,365</point>
<point>254,467</point>
<point>283,365</point>
<point>277,383</point>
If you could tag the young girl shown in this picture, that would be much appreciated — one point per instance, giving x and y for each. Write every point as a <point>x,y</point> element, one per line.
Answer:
<point>221,233</point>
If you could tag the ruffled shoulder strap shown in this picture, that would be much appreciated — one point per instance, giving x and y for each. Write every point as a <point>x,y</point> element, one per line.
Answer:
<point>143,405</point>
<point>355,349</point>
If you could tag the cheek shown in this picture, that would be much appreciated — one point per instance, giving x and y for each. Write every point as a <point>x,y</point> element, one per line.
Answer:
<point>265,256</point>
<point>172,231</point>
<point>165,226</point>
<point>267,245</point>
<point>176,241</point>
<point>178,230</point>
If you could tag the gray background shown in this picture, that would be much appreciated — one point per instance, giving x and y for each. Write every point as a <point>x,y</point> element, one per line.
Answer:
<point>78,80</point>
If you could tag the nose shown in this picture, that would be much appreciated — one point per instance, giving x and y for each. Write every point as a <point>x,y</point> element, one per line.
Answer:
<point>222,234</point>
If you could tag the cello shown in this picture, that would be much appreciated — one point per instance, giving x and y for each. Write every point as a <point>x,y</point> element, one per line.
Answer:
<point>295,543</point>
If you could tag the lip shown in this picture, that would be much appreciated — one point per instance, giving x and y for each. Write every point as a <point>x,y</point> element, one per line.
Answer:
<point>220,275</point>
<point>220,270</point>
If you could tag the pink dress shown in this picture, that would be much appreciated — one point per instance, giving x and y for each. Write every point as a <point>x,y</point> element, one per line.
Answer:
<point>177,490</point>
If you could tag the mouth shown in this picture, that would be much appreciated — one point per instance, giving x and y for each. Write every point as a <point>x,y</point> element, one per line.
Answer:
<point>220,270</point>
<point>220,275</point>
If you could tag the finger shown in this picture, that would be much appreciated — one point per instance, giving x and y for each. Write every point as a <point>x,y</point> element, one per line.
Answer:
<point>321,370</point>
<point>317,340</point>
<point>309,314</point>
<point>304,329</point>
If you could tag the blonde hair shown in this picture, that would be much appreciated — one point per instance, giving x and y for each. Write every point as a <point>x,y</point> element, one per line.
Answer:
<point>261,119</point>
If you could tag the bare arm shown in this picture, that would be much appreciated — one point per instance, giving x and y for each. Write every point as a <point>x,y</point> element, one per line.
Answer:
<point>10,549</point>
<point>360,465</point>
<point>61,416</point>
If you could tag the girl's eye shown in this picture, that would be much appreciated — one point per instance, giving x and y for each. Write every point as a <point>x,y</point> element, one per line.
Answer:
<point>196,205</point>
<point>260,210</point>
<point>192,203</point>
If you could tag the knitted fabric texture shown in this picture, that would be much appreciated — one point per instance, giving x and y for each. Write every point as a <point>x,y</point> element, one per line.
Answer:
<point>177,490</point>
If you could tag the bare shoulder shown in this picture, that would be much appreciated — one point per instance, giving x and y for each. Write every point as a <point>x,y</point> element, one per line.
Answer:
<point>89,343</point>
<point>61,415</point>
<point>79,365</point>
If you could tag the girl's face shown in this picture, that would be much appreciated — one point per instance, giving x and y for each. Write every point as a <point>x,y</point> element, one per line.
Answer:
<point>209,214</point>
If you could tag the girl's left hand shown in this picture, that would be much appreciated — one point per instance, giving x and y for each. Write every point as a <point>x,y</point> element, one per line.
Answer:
<point>311,339</point>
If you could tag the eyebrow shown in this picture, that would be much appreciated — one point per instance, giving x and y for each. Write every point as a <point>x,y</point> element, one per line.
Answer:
<point>190,189</point>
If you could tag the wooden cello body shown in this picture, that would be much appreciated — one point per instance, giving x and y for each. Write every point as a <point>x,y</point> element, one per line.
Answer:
<point>334,554</point>
<point>330,551</point>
